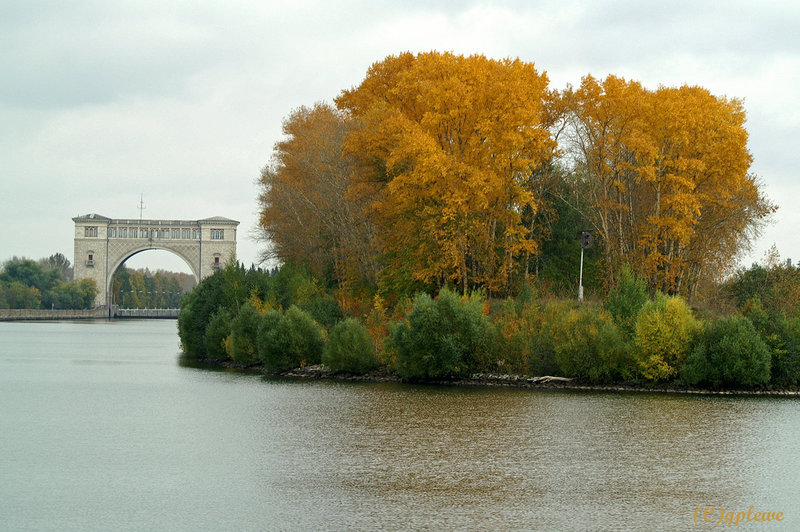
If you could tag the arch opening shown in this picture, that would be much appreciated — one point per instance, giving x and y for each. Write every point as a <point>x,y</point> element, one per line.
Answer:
<point>151,278</point>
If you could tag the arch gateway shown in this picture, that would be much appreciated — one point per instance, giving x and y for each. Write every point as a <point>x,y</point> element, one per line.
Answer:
<point>103,244</point>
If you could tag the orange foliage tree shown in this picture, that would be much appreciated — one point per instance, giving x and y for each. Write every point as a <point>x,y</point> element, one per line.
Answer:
<point>666,176</point>
<point>449,145</point>
<point>306,214</point>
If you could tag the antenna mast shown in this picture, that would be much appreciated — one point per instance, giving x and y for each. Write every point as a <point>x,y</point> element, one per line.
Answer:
<point>141,207</point>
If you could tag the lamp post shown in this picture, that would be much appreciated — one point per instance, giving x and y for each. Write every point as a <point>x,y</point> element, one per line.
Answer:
<point>586,243</point>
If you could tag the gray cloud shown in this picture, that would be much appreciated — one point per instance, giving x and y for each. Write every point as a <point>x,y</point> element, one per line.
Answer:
<point>183,101</point>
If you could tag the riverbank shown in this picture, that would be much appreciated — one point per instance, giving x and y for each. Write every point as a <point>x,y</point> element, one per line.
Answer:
<point>52,315</point>
<point>319,372</point>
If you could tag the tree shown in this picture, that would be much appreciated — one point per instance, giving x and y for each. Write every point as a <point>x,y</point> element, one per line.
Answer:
<point>448,145</point>
<point>306,213</point>
<point>30,273</point>
<point>666,176</point>
<point>16,295</point>
<point>59,262</point>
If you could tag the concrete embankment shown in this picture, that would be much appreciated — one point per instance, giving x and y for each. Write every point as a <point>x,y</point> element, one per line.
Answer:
<point>52,315</point>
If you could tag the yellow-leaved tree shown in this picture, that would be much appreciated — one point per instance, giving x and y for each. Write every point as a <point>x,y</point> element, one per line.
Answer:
<point>306,214</point>
<point>665,175</point>
<point>448,146</point>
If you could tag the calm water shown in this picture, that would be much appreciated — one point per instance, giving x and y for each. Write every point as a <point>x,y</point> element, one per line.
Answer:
<point>103,427</point>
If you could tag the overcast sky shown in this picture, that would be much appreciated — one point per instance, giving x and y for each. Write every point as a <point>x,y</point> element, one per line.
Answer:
<point>101,101</point>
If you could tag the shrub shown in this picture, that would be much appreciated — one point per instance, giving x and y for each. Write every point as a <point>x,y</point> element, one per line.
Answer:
<point>665,329</point>
<point>544,323</point>
<point>589,346</point>
<point>729,352</point>
<point>349,348</point>
<point>782,336</point>
<point>218,330</point>
<point>197,307</point>
<point>442,338</point>
<point>244,335</point>
<point>514,338</point>
<point>290,340</point>
<point>626,300</point>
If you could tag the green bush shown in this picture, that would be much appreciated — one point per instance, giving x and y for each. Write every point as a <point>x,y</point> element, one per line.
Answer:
<point>626,300</point>
<point>349,348</point>
<point>290,340</point>
<point>589,346</point>
<point>665,329</point>
<point>197,307</point>
<point>514,338</point>
<point>443,338</point>
<point>244,335</point>
<point>544,324</point>
<point>728,353</point>
<point>782,336</point>
<point>218,330</point>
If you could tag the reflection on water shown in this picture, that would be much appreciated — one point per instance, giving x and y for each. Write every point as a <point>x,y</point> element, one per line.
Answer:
<point>109,428</point>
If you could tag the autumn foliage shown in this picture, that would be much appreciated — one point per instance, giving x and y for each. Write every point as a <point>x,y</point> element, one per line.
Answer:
<point>449,146</point>
<point>440,169</point>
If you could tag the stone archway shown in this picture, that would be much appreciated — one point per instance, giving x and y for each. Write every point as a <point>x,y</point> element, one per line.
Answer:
<point>103,244</point>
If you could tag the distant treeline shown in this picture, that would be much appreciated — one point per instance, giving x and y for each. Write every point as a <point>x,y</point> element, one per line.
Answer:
<point>46,283</point>
<point>142,289</point>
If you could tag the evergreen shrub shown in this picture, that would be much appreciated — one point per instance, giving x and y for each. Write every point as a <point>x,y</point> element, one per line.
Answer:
<point>219,328</point>
<point>443,338</point>
<point>289,340</point>
<point>729,353</point>
<point>626,300</point>
<point>782,336</point>
<point>349,348</point>
<point>244,335</point>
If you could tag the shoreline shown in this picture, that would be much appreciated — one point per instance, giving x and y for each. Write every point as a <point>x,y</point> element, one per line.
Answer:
<point>318,372</point>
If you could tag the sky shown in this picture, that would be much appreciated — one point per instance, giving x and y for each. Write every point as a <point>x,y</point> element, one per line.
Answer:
<point>182,101</point>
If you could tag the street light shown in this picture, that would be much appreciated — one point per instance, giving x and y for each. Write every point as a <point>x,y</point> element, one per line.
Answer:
<point>586,243</point>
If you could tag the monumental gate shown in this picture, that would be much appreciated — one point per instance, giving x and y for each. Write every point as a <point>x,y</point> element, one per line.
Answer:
<point>103,244</point>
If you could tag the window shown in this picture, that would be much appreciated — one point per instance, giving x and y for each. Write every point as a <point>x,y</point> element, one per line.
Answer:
<point>90,231</point>
<point>123,232</point>
<point>90,258</point>
<point>176,233</point>
<point>154,233</point>
<point>133,232</point>
<point>112,232</point>
<point>185,234</point>
<point>164,233</point>
<point>217,234</point>
<point>195,233</point>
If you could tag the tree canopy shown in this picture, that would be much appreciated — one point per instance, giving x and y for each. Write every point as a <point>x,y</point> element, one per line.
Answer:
<point>444,169</point>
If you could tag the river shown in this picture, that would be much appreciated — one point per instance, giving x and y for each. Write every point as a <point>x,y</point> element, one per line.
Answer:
<point>103,426</point>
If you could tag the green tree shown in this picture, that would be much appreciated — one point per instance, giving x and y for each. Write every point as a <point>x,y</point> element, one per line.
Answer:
<point>443,338</point>
<point>244,335</point>
<point>729,353</point>
<point>349,348</point>
<point>217,334</point>
<point>29,273</point>
<point>626,300</point>
<point>588,346</point>
<point>289,340</point>
<point>18,296</point>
